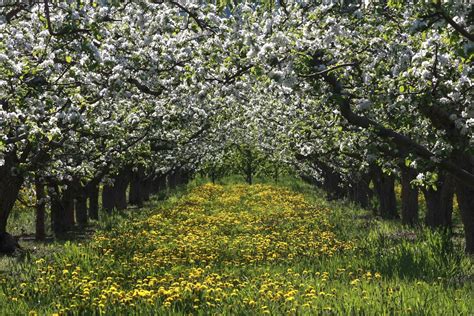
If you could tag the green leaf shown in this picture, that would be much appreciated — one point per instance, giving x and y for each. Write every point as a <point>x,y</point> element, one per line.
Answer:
<point>402,89</point>
<point>68,59</point>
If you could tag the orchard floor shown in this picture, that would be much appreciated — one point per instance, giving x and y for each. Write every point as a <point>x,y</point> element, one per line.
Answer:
<point>243,250</point>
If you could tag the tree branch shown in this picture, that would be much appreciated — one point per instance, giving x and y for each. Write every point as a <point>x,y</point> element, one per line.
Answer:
<point>401,141</point>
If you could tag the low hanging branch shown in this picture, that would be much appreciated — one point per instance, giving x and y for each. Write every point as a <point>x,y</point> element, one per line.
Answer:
<point>401,141</point>
<point>326,71</point>
<point>63,32</point>
<point>453,23</point>
<point>202,24</point>
<point>143,88</point>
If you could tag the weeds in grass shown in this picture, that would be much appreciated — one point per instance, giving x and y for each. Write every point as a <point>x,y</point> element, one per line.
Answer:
<point>239,249</point>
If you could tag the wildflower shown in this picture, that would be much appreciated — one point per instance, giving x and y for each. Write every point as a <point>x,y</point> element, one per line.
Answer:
<point>355,282</point>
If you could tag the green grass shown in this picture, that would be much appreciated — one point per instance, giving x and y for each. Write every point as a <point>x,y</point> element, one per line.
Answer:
<point>243,250</point>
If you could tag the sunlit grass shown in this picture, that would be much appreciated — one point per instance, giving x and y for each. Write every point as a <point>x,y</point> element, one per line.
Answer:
<point>239,249</point>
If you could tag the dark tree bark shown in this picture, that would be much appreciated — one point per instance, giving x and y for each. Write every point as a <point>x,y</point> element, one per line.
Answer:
<point>359,191</point>
<point>120,188</point>
<point>213,175</point>
<point>172,180</point>
<point>384,185</point>
<point>159,185</point>
<point>310,180</point>
<point>10,185</point>
<point>40,233</point>
<point>332,182</point>
<point>93,196</point>
<point>136,188</point>
<point>146,187</point>
<point>439,203</point>
<point>248,166</point>
<point>331,185</point>
<point>187,176</point>
<point>62,210</point>
<point>410,208</point>
<point>249,173</point>
<point>465,197</point>
<point>81,204</point>
<point>81,211</point>
<point>8,244</point>
<point>108,198</point>
<point>56,209</point>
<point>68,206</point>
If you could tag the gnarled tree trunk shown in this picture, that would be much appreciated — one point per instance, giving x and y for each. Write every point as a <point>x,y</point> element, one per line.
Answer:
<point>384,185</point>
<point>40,209</point>
<point>359,191</point>
<point>465,197</point>
<point>108,197</point>
<point>120,188</point>
<point>146,187</point>
<point>10,186</point>
<point>172,180</point>
<point>93,196</point>
<point>331,182</point>
<point>159,185</point>
<point>81,204</point>
<point>136,189</point>
<point>410,208</point>
<point>62,209</point>
<point>439,203</point>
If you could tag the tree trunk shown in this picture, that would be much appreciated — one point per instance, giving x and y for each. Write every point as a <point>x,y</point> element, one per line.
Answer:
<point>120,189</point>
<point>81,205</point>
<point>439,203</point>
<point>331,184</point>
<point>40,209</point>
<point>310,180</point>
<point>249,166</point>
<point>276,173</point>
<point>359,192</point>
<point>213,175</point>
<point>409,197</point>
<point>62,210</point>
<point>159,183</point>
<point>10,186</point>
<point>385,189</point>
<point>68,205</point>
<point>146,186</point>
<point>249,172</point>
<point>108,197</point>
<point>56,209</point>
<point>172,180</point>
<point>465,197</point>
<point>93,196</point>
<point>136,189</point>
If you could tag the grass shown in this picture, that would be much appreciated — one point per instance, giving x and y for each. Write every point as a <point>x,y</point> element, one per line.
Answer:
<point>244,250</point>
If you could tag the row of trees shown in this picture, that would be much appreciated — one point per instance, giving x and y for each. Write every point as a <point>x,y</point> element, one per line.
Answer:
<point>96,94</point>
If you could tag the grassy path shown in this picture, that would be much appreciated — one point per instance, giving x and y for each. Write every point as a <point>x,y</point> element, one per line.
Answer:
<point>247,250</point>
